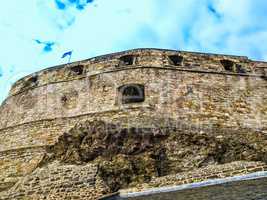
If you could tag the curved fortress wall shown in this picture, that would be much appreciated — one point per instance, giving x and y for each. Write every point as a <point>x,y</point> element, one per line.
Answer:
<point>138,87</point>
<point>198,89</point>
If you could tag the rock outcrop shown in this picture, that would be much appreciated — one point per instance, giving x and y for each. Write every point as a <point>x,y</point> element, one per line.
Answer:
<point>129,156</point>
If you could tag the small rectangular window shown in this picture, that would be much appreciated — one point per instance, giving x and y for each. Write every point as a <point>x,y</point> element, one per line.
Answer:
<point>175,60</point>
<point>77,70</point>
<point>228,65</point>
<point>127,60</point>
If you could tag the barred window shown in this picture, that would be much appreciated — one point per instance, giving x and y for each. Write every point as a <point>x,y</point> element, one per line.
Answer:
<point>132,93</point>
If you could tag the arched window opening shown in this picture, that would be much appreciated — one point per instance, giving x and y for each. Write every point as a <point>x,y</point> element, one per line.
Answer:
<point>77,70</point>
<point>228,65</point>
<point>127,60</point>
<point>176,60</point>
<point>133,93</point>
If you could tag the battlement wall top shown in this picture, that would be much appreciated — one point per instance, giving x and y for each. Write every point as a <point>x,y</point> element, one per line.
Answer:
<point>238,65</point>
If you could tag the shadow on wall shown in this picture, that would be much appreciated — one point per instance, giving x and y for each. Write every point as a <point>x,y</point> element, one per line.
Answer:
<point>129,156</point>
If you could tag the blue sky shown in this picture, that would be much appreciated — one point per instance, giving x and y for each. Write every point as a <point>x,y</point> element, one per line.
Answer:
<point>35,33</point>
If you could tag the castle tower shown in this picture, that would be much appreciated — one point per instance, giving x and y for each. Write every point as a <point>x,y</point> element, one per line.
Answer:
<point>132,121</point>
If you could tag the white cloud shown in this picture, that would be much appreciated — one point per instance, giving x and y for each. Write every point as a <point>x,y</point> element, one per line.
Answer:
<point>241,29</point>
<point>232,27</point>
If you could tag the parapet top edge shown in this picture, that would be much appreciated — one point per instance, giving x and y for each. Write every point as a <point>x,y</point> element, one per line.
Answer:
<point>112,55</point>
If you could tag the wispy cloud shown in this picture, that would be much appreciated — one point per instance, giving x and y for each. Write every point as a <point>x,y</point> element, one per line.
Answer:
<point>96,27</point>
<point>240,29</point>
<point>78,4</point>
<point>213,10</point>
<point>60,5</point>
<point>47,46</point>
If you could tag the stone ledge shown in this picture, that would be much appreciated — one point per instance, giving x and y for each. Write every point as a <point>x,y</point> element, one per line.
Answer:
<point>166,67</point>
<point>189,187</point>
<point>109,196</point>
<point>201,175</point>
<point>132,107</point>
<point>21,149</point>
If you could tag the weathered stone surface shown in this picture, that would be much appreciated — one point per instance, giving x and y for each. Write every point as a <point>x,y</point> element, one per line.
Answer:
<point>135,155</point>
<point>199,112</point>
<point>90,140</point>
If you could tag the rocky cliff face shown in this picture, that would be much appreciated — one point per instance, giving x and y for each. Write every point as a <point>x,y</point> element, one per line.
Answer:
<point>95,158</point>
<point>129,156</point>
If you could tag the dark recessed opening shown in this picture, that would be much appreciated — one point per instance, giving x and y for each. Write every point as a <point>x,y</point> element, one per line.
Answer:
<point>32,81</point>
<point>127,60</point>
<point>240,69</point>
<point>77,70</point>
<point>64,99</point>
<point>133,93</point>
<point>228,65</point>
<point>176,60</point>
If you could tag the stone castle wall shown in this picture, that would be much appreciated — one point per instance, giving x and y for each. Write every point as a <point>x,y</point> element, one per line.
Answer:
<point>197,92</point>
<point>57,182</point>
